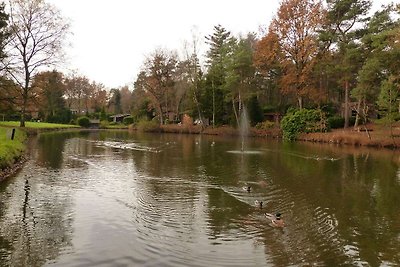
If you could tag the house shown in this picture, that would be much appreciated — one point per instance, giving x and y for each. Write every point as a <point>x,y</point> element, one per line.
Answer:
<point>119,117</point>
<point>94,123</point>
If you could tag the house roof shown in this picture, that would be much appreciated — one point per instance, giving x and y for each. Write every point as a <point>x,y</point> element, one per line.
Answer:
<point>119,115</point>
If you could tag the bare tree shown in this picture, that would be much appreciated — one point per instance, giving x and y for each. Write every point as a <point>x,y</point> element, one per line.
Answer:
<point>156,79</point>
<point>37,34</point>
<point>192,63</point>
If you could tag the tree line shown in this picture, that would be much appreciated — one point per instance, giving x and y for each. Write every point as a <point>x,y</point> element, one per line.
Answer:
<point>332,55</point>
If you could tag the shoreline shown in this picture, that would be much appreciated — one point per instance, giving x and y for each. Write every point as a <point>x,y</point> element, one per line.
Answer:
<point>13,168</point>
<point>14,152</point>
<point>378,138</point>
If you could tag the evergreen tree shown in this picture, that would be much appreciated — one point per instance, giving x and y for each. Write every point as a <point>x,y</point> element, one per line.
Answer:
<point>220,43</point>
<point>240,75</point>
<point>115,101</point>
<point>342,32</point>
<point>380,58</point>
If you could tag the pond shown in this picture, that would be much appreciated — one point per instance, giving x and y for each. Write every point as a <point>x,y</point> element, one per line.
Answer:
<point>114,198</point>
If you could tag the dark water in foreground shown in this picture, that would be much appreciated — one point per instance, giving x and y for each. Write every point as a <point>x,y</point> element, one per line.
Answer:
<point>119,199</point>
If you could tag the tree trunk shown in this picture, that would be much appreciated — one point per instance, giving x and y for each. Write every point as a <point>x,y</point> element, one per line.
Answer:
<point>365,116</point>
<point>213,101</point>
<point>197,104</point>
<point>300,101</point>
<point>22,121</point>
<point>161,114</point>
<point>358,114</point>
<point>24,103</point>
<point>166,105</point>
<point>346,104</point>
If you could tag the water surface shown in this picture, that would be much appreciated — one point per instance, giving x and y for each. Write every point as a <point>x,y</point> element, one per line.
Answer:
<point>130,199</point>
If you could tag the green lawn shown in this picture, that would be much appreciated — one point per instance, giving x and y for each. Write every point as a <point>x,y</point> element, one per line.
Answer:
<point>10,150</point>
<point>38,125</point>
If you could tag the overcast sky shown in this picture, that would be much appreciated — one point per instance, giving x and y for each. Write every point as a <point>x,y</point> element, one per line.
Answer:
<point>110,39</point>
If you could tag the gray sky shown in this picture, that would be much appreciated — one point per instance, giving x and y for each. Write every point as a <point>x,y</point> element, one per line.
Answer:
<point>111,38</point>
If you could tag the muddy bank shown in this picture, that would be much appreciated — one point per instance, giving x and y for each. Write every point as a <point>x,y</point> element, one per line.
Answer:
<point>13,169</point>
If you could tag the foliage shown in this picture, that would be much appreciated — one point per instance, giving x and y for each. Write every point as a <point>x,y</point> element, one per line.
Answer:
<point>341,34</point>
<point>303,121</point>
<point>83,121</point>
<point>60,116</point>
<point>37,34</point>
<point>128,120</point>
<point>104,124</point>
<point>82,95</point>
<point>388,98</point>
<point>156,80</point>
<point>335,122</point>
<point>293,37</point>
<point>49,88</point>
<point>148,126</point>
<point>213,99</point>
<point>255,112</point>
<point>314,53</point>
<point>115,101</point>
<point>265,125</point>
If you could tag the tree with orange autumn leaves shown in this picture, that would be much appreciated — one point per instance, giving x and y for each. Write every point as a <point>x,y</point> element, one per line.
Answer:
<point>290,48</point>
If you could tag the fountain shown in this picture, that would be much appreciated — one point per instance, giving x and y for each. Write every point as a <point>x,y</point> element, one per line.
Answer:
<point>244,129</point>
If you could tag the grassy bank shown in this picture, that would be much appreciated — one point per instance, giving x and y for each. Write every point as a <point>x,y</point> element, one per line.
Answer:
<point>10,150</point>
<point>38,125</point>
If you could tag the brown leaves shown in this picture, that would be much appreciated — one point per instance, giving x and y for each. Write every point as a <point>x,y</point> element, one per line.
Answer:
<point>291,44</point>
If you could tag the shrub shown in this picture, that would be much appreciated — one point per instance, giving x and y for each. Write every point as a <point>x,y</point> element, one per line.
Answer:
<point>335,122</point>
<point>148,126</point>
<point>303,121</point>
<point>104,124</point>
<point>255,112</point>
<point>83,121</point>
<point>128,120</point>
<point>265,125</point>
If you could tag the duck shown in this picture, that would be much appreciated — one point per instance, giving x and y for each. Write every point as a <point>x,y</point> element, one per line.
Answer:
<point>247,188</point>
<point>259,203</point>
<point>276,219</point>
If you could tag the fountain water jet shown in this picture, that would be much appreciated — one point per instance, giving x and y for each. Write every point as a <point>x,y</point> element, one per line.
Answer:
<point>244,130</point>
<point>244,127</point>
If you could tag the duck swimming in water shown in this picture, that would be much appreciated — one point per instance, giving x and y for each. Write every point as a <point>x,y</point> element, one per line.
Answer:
<point>247,188</point>
<point>258,203</point>
<point>276,219</point>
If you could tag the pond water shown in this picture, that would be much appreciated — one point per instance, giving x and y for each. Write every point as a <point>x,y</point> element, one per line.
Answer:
<point>129,199</point>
